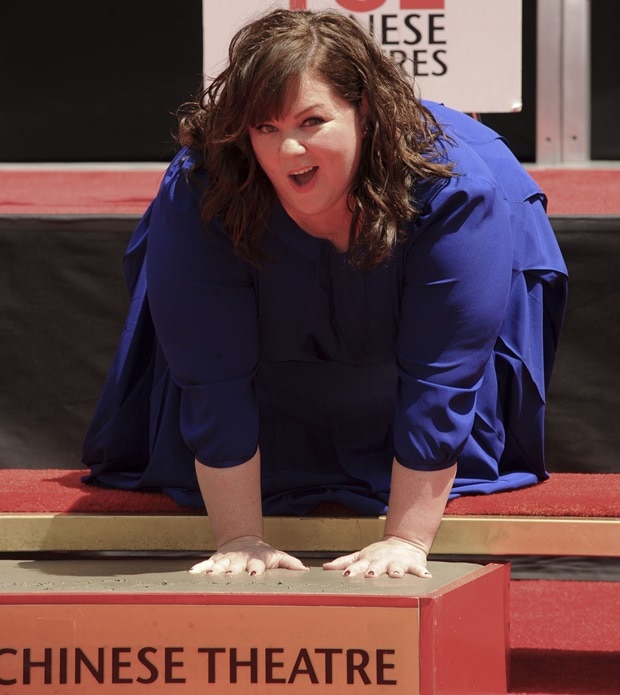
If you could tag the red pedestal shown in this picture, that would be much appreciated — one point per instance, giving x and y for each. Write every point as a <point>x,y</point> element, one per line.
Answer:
<point>298,633</point>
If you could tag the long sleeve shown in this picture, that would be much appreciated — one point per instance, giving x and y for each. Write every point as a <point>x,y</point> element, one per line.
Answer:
<point>457,282</point>
<point>203,306</point>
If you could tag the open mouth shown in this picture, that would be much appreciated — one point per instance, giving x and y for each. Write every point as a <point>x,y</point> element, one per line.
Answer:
<point>303,176</point>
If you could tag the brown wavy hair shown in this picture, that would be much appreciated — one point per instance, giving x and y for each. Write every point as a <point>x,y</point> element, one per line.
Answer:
<point>266,61</point>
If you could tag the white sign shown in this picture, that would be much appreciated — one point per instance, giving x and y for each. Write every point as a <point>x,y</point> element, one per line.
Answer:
<point>464,53</point>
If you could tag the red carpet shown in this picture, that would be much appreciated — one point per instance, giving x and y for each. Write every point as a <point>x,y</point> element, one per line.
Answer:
<point>60,491</point>
<point>564,494</point>
<point>580,191</point>
<point>128,190</point>
<point>565,638</point>
<point>77,191</point>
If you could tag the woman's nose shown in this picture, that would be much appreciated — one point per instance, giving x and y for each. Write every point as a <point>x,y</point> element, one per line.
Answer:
<point>291,146</point>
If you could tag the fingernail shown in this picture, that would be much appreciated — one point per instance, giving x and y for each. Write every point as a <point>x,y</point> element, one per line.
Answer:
<point>370,573</point>
<point>253,573</point>
<point>346,573</point>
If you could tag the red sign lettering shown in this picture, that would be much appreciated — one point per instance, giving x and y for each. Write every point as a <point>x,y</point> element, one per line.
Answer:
<point>370,5</point>
<point>422,4</point>
<point>361,5</point>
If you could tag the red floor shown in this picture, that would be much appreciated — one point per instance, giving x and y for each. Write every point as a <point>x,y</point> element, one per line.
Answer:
<point>104,190</point>
<point>565,638</point>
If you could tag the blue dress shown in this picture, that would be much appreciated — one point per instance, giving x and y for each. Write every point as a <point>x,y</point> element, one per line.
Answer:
<point>441,354</point>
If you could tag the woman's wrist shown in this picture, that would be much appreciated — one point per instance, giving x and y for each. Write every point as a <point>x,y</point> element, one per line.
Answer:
<point>419,545</point>
<point>251,538</point>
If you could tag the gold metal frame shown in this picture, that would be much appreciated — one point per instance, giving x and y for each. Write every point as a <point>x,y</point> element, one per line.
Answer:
<point>458,535</point>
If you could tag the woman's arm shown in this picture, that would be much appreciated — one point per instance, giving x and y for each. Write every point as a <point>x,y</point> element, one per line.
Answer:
<point>417,502</point>
<point>457,280</point>
<point>232,497</point>
<point>202,301</point>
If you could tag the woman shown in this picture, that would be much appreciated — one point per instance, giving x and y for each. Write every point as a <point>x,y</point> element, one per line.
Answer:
<point>348,296</point>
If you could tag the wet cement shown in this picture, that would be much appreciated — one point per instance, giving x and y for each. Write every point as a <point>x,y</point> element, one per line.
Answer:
<point>170,575</point>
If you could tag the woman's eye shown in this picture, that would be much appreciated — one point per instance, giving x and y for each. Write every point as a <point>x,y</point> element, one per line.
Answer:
<point>265,128</point>
<point>314,120</point>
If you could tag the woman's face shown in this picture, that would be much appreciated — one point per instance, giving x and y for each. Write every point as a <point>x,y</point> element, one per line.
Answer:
<point>311,155</point>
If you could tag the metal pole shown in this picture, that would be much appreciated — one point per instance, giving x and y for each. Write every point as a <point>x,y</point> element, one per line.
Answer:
<point>549,81</point>
<point>576,97</point>
<point>563,81</point>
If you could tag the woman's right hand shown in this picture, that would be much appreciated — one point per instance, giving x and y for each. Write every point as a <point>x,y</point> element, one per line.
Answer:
<point>246,554</point>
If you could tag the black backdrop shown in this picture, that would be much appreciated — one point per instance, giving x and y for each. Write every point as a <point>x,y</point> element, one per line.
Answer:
<point>95,80</point>
<point>63,301</point>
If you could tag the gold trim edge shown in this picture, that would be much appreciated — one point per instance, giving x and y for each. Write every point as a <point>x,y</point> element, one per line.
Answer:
<point>459,535</point>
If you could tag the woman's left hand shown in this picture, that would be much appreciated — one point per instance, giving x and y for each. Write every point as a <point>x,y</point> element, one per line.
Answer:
<point>392,556</point>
